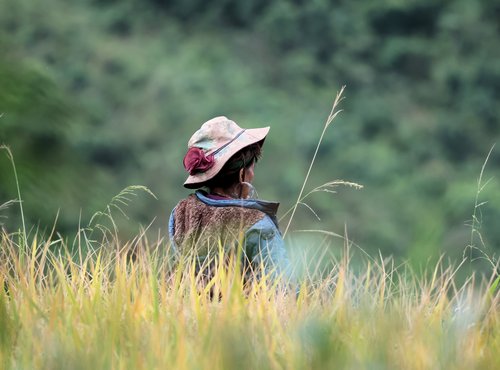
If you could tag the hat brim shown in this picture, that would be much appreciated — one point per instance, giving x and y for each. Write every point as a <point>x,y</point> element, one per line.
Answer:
<point>248,137</point>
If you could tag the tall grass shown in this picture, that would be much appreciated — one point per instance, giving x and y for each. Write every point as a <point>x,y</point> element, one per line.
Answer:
<point>18,188</point>
<point>300,199</point>
<point>114,309</point>
<point>477,243</point>
<point>97,302</point>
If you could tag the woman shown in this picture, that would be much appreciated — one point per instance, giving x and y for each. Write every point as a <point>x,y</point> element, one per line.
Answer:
<point>221,158</point>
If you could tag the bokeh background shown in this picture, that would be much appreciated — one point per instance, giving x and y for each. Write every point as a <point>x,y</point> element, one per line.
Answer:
<point>98,95</point>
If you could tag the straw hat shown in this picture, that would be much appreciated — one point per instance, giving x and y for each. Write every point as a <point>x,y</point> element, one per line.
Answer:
<point>213,145</point>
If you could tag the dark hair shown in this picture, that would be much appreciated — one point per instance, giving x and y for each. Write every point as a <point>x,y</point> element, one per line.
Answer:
<point>229,174</point>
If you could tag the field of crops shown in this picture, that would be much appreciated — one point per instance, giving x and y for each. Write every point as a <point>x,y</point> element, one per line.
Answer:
<point>130,306</point>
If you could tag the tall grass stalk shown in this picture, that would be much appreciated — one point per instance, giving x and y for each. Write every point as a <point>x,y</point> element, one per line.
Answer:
<point>20,200</point>
<point>327,187</point>
<point>113,309</point>
<point>476,221</point>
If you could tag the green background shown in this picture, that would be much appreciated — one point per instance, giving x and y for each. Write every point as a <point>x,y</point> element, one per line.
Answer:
<point>99,95</point>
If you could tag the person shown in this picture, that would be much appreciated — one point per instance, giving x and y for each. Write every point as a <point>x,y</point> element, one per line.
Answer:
<point>221,160</point>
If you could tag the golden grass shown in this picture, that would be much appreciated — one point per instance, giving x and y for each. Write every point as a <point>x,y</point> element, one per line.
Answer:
<point>98,303</point>
<point>127,306</point>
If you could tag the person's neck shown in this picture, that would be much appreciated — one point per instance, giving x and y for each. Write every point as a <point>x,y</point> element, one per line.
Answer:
<point>230,192</point>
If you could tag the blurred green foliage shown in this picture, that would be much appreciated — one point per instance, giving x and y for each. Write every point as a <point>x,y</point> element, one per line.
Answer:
<point>99,95</point>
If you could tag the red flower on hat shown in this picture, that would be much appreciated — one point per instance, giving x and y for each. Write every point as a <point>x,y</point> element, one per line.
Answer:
<point>196,161</point>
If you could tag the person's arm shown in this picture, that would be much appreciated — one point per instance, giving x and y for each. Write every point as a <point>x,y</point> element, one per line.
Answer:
<point>265,246</point>
<point>171,230</point>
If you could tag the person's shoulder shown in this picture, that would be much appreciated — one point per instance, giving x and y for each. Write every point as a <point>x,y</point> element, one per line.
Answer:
<point>192,206</point>
<point>191,198</point>
<point>229,210</point>
<point>186,203</point>
<point>234,215</point>
<point>265,227</point>
<point>264,230</point>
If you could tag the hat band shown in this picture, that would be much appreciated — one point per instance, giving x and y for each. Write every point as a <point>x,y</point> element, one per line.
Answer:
<point>229,142</point>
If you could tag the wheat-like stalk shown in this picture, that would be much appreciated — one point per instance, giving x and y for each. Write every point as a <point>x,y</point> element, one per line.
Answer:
<point>328,187</point>
<point>475,223</point>
<point>19,199</point>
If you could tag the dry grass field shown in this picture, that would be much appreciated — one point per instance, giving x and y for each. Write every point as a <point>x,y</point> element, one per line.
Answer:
<point>104,307</point>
